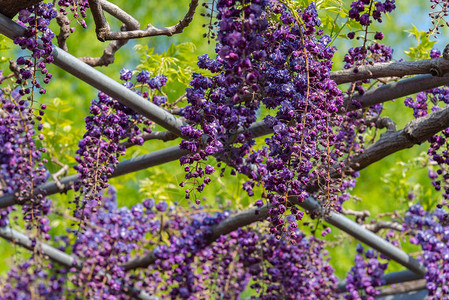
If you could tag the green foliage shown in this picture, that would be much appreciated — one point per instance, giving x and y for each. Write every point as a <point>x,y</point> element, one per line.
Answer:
<point>422,50</point>
<point>175,63</point>
<point>406,181</point>
<point>151,187</point>
<point>5,44</point>
<point>61,134</point>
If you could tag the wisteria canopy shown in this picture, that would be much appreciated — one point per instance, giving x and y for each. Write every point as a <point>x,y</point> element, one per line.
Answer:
<point>231,149</point>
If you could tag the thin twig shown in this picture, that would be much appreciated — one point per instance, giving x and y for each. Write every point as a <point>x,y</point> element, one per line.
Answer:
<point>155,135</point>
<point>360,216</point>
<point>130,23</point>
<point>64,31</point>
<point>104,32</point>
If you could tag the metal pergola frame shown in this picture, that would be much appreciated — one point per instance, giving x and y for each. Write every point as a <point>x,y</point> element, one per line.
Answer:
<point>72,65</point>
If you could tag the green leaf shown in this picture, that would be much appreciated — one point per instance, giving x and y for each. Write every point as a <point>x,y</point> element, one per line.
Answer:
<point>422,50</point>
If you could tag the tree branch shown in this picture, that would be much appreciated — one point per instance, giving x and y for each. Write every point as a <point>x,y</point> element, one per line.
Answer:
<point>386,122</point>
<point>376,227</point>
<point>434,66</point>
<point>360,216</point>
<point>130,23</point>
<point>396,90</point>
<point>104,32</point>
<point>10,8</point>
<point>415,132</point>
<point>64,30</point>
<point>155,135</point>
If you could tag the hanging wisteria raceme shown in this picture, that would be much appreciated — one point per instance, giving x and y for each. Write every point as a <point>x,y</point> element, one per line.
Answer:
<point>187,265</point>
<point>107,242</point>
<point>297,85</point>
<point>285,65</point>
<point>221,104</point>
<point>370,52</point>
<point>77,9</point>
<point>38,39</point>
<point>365,275</point>
<point>432,234</point>
<point>281,269</point>
<point>28,278</point>
<point>365,11</point>
<point>110,123</point>
<point>21,164</point>
<point>21,160</point>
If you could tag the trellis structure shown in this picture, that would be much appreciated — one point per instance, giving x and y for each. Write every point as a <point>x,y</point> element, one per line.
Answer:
<point>415,132</point>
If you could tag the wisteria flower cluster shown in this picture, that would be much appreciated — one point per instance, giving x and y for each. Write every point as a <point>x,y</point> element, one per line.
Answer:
<point>363,10</point>
<point>365,275</point>
<point>100,148</point>
<point>77,8</point>
<point>432,234</point>
<point>28,279</point>
<point>285,65</point>
<point>187,262</point>
<point>21,163</point>
<point>224,103</point>
<point>110,236</point>
<point>37,39</point>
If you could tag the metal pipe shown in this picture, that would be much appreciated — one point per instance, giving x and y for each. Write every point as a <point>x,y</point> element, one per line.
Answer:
<point>389,278</point>
<point>95,78</point>
<point>365,236</point>
<point>127,166</point>
<point>413,295</point>
<point>400,277</point>
<point>138,163</point>
<point>54,254</point>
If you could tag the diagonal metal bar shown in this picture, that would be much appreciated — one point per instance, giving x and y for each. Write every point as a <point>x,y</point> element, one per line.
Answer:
<point>127,166</point>
<point>347,225</point>
<point>390,278</point>
<point>100,81</point>
<point>365,236</point>
<point>138,163</point>
<point>418,293</point>
<point>24,241</point>
<point>54,254</point>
